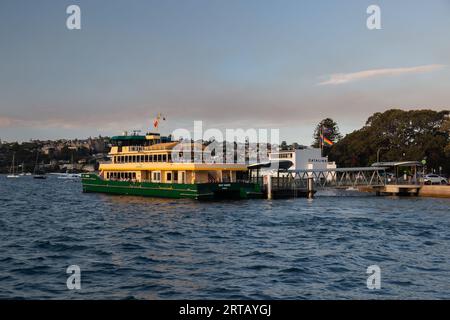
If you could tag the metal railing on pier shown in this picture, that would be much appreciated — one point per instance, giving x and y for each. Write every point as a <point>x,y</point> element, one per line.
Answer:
<point>324,178</point>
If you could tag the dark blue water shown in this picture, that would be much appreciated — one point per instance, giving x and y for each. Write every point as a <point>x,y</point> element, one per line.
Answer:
<point>142,248</point>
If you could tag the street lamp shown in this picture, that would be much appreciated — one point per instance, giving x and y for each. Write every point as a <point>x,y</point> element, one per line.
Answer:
<point>378,152</point>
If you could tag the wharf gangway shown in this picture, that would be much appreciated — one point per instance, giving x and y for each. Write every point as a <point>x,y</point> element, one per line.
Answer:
<point>282,183</point>
<point>334,177</point>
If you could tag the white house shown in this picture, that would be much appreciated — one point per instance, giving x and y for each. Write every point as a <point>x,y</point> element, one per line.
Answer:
<point>303,159</point>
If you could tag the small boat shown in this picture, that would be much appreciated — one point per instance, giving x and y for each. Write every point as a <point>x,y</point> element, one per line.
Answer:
<point>12,171</point>
<point>69,175</point>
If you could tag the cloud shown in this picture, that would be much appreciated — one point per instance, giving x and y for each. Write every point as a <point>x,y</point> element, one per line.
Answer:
<point>341,78</point>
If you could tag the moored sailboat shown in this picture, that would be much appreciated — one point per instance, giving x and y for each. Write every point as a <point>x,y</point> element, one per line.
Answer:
<point>12,172</point>
<point>38,173</point>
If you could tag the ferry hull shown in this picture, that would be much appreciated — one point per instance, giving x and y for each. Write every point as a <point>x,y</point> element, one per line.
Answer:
<point>202,191</point>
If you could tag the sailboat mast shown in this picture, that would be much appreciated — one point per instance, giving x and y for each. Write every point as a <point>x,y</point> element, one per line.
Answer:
<point>36,163</point>
<point>321,140</point>
<point>13,163</point>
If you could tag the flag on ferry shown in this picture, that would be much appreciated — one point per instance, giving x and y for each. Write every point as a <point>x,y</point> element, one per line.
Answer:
<point>157,119</point>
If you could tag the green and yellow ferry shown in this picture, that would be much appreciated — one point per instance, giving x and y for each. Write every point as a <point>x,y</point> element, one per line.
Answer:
<point>142,165</point>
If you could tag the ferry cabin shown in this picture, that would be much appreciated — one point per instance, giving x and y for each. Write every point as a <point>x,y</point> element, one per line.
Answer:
<point>147,159</point>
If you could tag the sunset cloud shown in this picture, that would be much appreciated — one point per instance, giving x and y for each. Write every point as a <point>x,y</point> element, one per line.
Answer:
<point>342,78</point>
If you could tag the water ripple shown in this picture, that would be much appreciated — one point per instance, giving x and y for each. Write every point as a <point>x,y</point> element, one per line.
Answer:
<point>143,248</point>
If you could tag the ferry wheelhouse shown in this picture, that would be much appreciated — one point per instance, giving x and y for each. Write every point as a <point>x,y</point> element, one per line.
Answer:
<point>144,165</point>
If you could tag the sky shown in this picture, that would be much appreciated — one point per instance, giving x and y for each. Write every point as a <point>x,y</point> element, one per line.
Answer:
<point>282,64</point>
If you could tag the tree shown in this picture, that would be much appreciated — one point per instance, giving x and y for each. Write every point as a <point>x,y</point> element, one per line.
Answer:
<point>445,129</point>
<point>402,135</point>
<point>330,131</point>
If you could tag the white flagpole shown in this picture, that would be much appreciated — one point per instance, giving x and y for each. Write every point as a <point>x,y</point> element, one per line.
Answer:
<point>321,140</point>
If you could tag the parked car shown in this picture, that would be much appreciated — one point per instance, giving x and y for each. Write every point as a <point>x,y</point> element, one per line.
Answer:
<point>434,179</point>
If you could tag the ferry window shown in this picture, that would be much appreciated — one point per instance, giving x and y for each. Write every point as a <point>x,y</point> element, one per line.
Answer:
<point>169,176</point>
<point>146,158</point>
<point>169,157</point>
<point>134,158</point>
<point>175,176</point>
<point>159,158</point>
<point>134,175</point>
<point>152,158</point>
<point>156,176</point>
<point>107,175</point>
<point>164,158</point>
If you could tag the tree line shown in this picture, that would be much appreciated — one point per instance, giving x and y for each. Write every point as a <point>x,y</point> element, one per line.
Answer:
<point>393,135</point>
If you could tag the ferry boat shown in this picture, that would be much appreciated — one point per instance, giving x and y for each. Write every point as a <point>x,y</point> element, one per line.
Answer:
<point>142,165</point>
